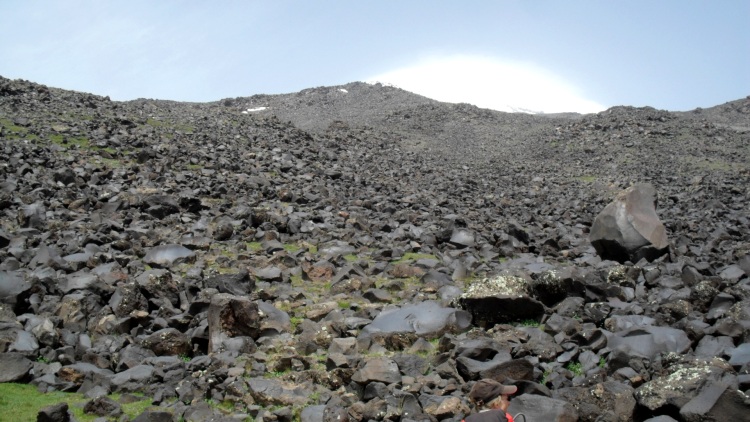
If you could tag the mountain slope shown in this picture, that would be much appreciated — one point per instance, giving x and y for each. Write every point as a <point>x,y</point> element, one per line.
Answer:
<point>128,226</point>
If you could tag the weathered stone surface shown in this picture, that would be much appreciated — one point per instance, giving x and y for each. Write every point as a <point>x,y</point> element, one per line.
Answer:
<point>501,299</point>
<point>716,402</point>
<point>541,408</point>
<point>628,229</point>
<point>54,413</point>
<point>231,316</point>
<point>429,319</point>
<point>610,398</point>
<point>377,370</point>
<point>441,407</point>
<point>649,341</point>
<point>14,367</point>
<point>168,341</point>
<point>682,382</point>
<point>274,392</point>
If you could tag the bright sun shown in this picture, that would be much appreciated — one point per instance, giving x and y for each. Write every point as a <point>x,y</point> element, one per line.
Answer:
<point>489,83</point>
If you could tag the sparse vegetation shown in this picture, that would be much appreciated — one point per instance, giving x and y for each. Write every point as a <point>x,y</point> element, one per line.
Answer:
<point>575,367</point>
<point>253,246</point>
<point>21,402</point>
<point>545,377</point>
<point>587,178</point>
<point>529,323</point>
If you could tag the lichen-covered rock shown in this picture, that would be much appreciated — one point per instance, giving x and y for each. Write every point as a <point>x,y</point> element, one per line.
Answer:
<point>682,381</point>
<point>611,397</point>
<point>500,299</point>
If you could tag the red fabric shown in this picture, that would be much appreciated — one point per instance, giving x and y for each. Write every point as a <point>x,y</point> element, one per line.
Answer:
<point>509,417</point>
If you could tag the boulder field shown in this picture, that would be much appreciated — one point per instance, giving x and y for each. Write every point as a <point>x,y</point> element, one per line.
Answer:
<point>361,253</point>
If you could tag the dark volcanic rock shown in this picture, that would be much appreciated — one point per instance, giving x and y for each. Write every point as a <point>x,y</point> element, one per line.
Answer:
<point>54,413</point>
<point>368,253</point>
<point>428,319</point>
<point>231,316</point>
<point>628,229</point>
<point>14,367</point>
<point>501,299</point>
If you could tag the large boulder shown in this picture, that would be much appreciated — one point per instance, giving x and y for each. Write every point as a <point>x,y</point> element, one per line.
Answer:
<point>14,367</point>
<point>648,341</point>
<point>377,369</point>
<point>231,316</point>
<point>611,398</point>
<point>501,299</point>
<point>717,402</point>
<point>426,319</point>
<point>628,228</point>
<point>683,380</point>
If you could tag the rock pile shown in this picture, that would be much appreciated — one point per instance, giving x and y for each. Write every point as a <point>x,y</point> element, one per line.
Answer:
<point>371,263</point>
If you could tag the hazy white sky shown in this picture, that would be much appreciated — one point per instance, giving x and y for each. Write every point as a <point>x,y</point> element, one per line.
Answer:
<point>541,55</point>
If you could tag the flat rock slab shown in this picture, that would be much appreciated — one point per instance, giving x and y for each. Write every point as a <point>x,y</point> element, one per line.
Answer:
<point>649,341</point>
<point>168,255</point>
<point>541,408</point>
<point>423,319</point>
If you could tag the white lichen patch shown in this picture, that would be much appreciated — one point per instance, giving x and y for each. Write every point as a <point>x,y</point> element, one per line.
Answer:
<point>504,285</point>
<point>682,379</point>
<point>618,275</point>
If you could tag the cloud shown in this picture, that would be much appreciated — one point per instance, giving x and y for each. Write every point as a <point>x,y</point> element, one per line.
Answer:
<point>490,83</point>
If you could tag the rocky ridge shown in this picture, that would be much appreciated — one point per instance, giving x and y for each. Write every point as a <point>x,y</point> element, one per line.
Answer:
<point>362,253</point>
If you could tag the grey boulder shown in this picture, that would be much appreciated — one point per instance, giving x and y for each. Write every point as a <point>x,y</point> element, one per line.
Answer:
<point>628,229</point>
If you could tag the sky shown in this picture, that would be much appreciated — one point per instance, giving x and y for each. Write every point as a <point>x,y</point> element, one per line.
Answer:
<point>537,55</point>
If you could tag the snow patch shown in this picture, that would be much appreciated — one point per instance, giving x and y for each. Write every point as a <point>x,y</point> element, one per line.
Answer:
<point>253,110</point>
<point>343,90</point>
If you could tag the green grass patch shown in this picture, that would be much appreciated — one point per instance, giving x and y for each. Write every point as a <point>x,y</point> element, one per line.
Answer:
<point>545,377</point>
<point>79,142</point>
<point>586,179</point>
<point>291,247</point>
<point>576,368</point>
<point>13,132</point>
<point>254,246</point>
<point>156,123</point>
<point>22,402</point>
<point>529,323</point>
<point>10,126</point>
<point>296,281</point>
<point>295,321</point>
<point>276,374</point>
